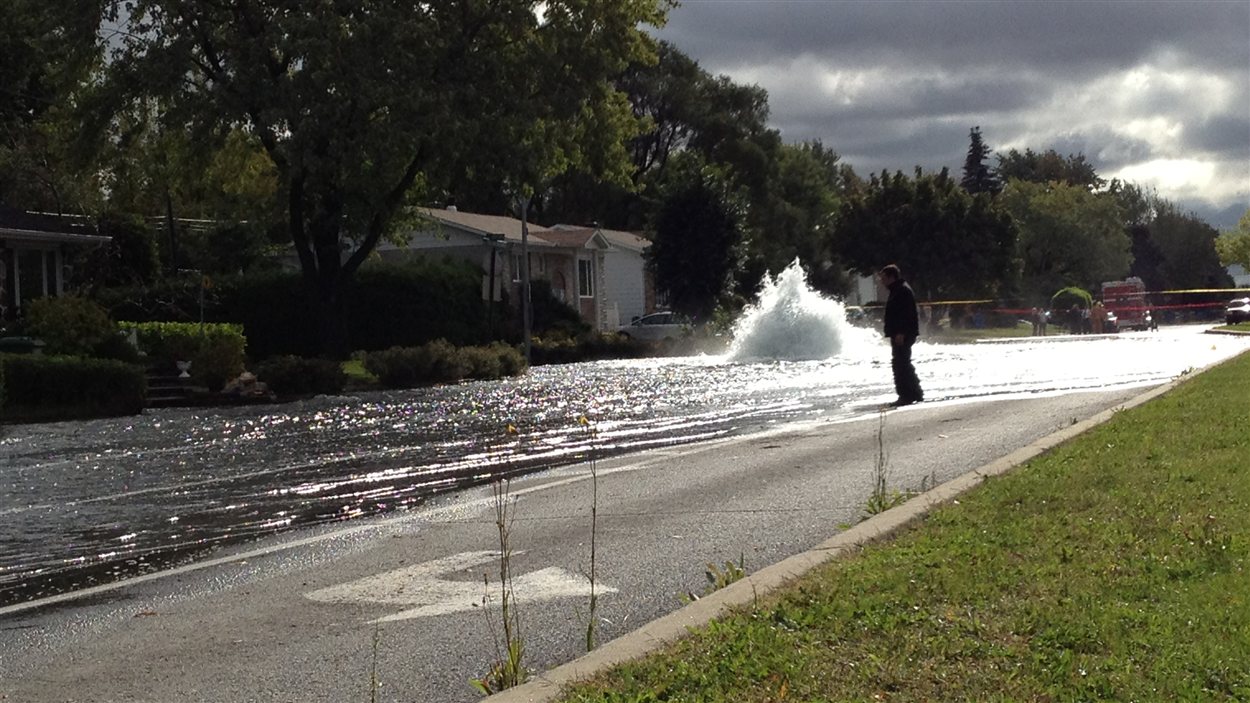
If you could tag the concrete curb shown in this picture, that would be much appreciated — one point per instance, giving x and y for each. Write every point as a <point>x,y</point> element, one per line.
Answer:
<point>658,633</point>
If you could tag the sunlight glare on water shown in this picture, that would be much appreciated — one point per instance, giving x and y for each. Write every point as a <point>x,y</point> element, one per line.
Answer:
<point>85,502</point>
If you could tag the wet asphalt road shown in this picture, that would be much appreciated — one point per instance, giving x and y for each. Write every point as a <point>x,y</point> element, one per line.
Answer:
<point>295,619</point>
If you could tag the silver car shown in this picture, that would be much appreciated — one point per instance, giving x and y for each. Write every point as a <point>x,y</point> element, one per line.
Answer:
<point>657,326</point>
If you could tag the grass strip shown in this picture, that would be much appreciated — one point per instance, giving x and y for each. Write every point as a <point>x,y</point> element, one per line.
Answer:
<point>1114,567</point>
<point>962,334</point>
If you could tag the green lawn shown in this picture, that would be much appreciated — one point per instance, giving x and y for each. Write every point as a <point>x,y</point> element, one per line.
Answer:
<point>1239,327</point>
<point>1112,568</point>
<point>1023,329</point>
<point>358,377</point>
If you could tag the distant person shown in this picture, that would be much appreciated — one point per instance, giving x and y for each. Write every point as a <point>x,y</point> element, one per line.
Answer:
<point>1036,318</point>
<point>1098,316</point>
<point>902,327</point>
<point>1041,320</point>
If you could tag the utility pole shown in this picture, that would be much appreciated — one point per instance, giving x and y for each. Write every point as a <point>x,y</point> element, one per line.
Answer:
<point>527,312</point>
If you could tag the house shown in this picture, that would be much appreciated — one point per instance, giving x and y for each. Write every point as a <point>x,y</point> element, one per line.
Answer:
<point>34,249</point>
<point>597,272</point>
<point>628,290</point>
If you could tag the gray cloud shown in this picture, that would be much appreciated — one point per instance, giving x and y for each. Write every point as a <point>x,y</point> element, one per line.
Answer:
<point>893,84</point>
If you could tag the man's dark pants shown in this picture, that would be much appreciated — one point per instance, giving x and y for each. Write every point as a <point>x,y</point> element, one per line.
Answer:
<point>906,383</point>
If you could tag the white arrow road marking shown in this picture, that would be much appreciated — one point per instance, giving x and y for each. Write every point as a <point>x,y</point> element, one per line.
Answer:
<point>419,585</point>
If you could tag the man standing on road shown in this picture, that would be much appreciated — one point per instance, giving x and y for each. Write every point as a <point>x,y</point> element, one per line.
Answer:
<point>902,327</point>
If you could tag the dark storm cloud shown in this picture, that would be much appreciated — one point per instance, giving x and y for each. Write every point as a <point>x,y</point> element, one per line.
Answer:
<point>891,85</point>
<point>1041,36</point>
<point>1222,133</point>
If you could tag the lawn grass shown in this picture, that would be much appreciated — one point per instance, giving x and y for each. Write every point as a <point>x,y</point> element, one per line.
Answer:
<point>947,335</point>
<point>358,377</point>
<point>1239,327</point>
<point>1112,568</point>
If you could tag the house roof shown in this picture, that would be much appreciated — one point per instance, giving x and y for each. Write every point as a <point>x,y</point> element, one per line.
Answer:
<point>493,226</point>
<point>22,226</point>
<point>625,240</point>
<point>575,237</point>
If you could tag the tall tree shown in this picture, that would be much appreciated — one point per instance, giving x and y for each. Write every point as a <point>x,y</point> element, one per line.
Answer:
<point>355,103</point>
<point>698,234</point>
<point>47,50</point>
<point>1048,166</point>
<point>1068,236</point>
<point>1187,243</point>
<point>949,243</point>
<point>1138,206</point>
<point>796,218</point>
<point>977,177</point>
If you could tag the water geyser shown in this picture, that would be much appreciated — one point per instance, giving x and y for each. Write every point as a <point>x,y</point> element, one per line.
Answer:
<point>792,322</point>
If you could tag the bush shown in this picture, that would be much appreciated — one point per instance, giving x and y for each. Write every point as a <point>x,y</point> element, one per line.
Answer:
<point>117,347</point>
<point>62,388</point>
<point>439,361</point>
<point>216,351</point>
<point>385,305</point>
<point>69,324</point>
<point>294,376</point>
<point>587,347</point>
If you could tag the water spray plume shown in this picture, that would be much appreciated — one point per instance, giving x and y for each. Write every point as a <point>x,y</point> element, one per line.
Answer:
<point>792,322</point>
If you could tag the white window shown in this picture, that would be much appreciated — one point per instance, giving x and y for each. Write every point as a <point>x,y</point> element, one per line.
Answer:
<point>516,267</point>
<point>538,264</point>
<point>585,278</point>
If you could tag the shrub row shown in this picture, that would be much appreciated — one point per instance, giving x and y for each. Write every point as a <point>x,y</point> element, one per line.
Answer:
<point>439,362</point>
<point>386,305</point>
<point>296,376</point>
<point>586,347</point>
<point>216,351</point>
<point>61,388</point>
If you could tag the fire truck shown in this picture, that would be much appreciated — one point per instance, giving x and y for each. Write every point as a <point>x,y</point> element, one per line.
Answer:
<point>1127,299</point>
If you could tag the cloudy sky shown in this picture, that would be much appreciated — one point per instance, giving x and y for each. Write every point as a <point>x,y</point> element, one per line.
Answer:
<point>1150,91</point>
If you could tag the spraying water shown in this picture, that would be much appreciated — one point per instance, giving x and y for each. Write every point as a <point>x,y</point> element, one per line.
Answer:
<point>792,322</point>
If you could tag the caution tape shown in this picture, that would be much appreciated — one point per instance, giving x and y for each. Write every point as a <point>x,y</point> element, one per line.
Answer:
<point>1186,291</point>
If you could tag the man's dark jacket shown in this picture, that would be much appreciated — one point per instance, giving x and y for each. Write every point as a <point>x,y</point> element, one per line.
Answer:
<point>901,316</point>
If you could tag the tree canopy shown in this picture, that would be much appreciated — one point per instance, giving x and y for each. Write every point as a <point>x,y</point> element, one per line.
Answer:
<point>950,244</point>
<point>1068,236</point>
<point>1073,170</point>
<point>1234,246</point>
<point>698,236</point>
<point>356,104</point>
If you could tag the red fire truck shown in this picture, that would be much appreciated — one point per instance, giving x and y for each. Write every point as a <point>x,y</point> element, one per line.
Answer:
<point>1127,299</point>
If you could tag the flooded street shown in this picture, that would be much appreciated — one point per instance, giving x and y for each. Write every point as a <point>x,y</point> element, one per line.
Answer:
<point>88,502</point>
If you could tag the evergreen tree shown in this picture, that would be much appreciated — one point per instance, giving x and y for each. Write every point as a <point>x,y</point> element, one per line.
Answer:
<point>977,177</point>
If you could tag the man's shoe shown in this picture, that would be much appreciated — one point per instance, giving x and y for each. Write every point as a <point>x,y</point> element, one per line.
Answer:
<point>901,402</point>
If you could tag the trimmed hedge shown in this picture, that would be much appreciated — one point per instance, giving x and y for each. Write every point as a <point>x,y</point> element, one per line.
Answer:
<point>385,305</point>
<point>216,350</point>
<point>296,376</point>
<point>39,388</point>
<point>441,362</point>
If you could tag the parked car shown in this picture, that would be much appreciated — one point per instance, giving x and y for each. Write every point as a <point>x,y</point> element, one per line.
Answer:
<point>1238,310</point>
<point>657,326</point>
<point>1112,323</point>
